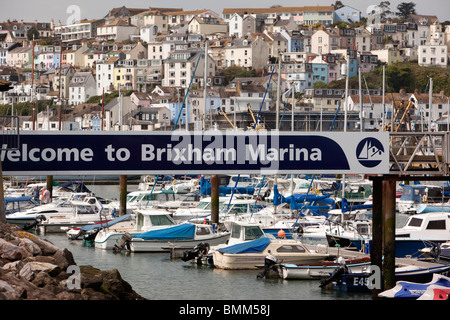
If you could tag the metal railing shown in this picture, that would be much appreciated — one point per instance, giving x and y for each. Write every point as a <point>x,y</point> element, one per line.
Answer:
<point>419,153</point>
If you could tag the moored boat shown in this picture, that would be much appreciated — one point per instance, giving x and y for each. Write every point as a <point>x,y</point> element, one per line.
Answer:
<point>323,269</point>
<point>142,220</point>
<point>251,255</point>
<point>185,235</point>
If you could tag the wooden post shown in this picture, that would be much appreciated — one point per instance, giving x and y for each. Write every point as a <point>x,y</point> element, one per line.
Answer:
<point>389,234</point>
<point>50,186</point>
<point>123,195</point>
<point>376,249</point>
<point>215,199</point>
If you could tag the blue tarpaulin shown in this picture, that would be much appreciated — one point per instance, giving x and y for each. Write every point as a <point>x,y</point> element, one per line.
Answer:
<point>254,246</point>
<point>185,231</point>
<point>205,189</point>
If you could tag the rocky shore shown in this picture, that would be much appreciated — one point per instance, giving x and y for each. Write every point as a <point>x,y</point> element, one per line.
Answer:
<point>32,268</point>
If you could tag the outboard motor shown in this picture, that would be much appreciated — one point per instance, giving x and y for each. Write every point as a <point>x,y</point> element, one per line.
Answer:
<point>36,222</point>
<point>198,252</point>
<point>335,276</point>
<point>270,264</point>
<point>123,242</point>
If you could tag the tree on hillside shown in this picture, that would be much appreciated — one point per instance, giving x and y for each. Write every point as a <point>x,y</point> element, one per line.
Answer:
<point>405,9</point>
<point>237,72</point>
<point>379,13</point>
<point>32,34</point>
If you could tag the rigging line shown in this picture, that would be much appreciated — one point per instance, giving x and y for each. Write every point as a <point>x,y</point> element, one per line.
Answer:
<point>187,91</point>
<point>256,200</point>
<point>264,98</point>
<point>232,192</point>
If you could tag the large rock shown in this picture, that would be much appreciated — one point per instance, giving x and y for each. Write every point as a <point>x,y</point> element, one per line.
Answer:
<point>10,251</point>
<point>29,271</point>
<point>47,247</point>
<point>35,269</point>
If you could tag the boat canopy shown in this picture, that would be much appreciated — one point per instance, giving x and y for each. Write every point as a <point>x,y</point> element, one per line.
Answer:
<point>185,231</point>
<point>254,246</point>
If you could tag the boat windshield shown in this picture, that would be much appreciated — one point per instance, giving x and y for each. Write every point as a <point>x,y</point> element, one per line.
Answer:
<point>291,248</point>
<point>249,232</point>
<point>207,205</point>
<point>252,233</point>
<point>161,220</point>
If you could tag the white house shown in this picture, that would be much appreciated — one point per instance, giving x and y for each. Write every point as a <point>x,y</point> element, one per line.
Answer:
<point>105,75</point>
<point>81,88</point>
<point>433,55</point>
<point>148,32</point>
<point>118,30</point>
<point>178,69</point>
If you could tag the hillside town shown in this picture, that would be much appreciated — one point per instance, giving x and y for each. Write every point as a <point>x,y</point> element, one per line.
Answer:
<point>146,68</point>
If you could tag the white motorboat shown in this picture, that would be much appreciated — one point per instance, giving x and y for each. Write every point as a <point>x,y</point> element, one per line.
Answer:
<point>202,210</point>
<point>337,223</point>
<point>58,207</point>
<point>419,230</point>
<point>185,235</point>
<point>144,199</point>
<point>143,220</point>
<point>90,210</point>
<point>251,255</point>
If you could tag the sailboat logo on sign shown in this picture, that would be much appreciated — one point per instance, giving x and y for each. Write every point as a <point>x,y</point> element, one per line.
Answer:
<point>369,152</point>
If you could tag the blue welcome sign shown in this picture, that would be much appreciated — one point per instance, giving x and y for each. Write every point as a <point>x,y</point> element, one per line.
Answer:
<point>203,152</point>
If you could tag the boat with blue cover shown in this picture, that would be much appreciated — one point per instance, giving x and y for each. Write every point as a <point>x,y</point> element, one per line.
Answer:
<point>185,235</point>
<point>140,221</point>
<point>251,255</point>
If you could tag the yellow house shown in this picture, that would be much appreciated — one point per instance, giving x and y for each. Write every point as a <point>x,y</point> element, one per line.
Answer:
<point>119,76</point>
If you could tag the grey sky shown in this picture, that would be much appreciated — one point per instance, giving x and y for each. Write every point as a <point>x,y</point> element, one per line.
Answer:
<point>44,10</point>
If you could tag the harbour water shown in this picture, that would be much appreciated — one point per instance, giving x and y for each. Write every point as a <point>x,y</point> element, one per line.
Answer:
<point>157,276</point>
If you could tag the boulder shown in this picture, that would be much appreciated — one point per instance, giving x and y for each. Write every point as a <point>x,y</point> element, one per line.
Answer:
<point>30,269</point>
<point>10,251</point>
<point>35,269</point>
<point>47,247</point>
<point>29,247</point>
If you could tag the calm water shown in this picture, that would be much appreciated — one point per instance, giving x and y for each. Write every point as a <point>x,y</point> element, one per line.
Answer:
<point>157,276</point>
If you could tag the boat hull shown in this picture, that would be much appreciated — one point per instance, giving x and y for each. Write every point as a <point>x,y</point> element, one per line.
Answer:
<point>358,282</point>
<point>311,272</point>
<point>141,245</point>
<point>403,248</point>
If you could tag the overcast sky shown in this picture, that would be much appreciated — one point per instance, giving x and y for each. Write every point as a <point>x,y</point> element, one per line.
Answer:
<point>45,10</point>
